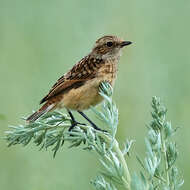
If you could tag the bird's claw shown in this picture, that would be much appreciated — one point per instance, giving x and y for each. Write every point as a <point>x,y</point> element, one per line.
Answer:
<point>75,123</point>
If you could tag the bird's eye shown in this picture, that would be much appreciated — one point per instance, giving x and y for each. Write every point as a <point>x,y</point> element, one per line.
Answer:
<point>109,44</point>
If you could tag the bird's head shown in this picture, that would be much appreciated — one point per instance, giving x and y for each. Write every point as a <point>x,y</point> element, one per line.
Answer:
<point>109,47</point>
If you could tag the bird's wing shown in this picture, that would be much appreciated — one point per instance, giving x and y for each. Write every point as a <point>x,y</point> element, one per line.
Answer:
<point>82,71</point>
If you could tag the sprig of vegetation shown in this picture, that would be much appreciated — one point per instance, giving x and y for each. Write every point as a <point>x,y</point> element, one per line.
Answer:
<point>159,164</point>
<point>160,172</point>
<point>51,131</point>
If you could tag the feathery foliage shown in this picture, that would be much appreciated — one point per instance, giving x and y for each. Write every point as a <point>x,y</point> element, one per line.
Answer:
<point>160,172</point>
<point>159,164</point>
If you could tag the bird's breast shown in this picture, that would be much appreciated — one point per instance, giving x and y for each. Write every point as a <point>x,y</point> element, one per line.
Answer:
<point>87,95</point>
<point>108,72</point>
<point>83,97</point>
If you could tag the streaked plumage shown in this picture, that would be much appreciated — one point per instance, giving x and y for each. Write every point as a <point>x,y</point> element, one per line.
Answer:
<point>78,88</point>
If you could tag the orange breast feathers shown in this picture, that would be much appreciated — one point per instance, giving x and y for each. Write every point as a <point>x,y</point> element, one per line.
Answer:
<point>87,95</point>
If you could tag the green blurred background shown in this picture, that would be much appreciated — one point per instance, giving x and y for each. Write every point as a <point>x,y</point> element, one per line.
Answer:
<point>40,40</point>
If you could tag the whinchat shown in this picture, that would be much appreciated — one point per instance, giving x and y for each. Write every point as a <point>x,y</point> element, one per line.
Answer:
<point>78,89</point>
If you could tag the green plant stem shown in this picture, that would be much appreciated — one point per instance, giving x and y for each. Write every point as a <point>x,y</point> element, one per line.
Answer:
<point>127,177</point>
<point>165,160</point>
<point>116,149</point>
<point>119,154</point>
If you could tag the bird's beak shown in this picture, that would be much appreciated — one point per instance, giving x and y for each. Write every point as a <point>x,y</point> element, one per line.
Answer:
<point>125,43</point>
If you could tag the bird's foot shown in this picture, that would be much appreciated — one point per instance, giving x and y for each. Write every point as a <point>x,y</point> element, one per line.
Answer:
<point>91,122</point>
<point>97,128</point>
<point>75,123</point>
<point>104,131</point>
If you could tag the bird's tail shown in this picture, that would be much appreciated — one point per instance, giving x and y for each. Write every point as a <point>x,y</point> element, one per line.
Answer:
<point>44,109</point>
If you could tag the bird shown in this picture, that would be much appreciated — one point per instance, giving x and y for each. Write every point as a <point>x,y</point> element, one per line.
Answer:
<point>78,89</point>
